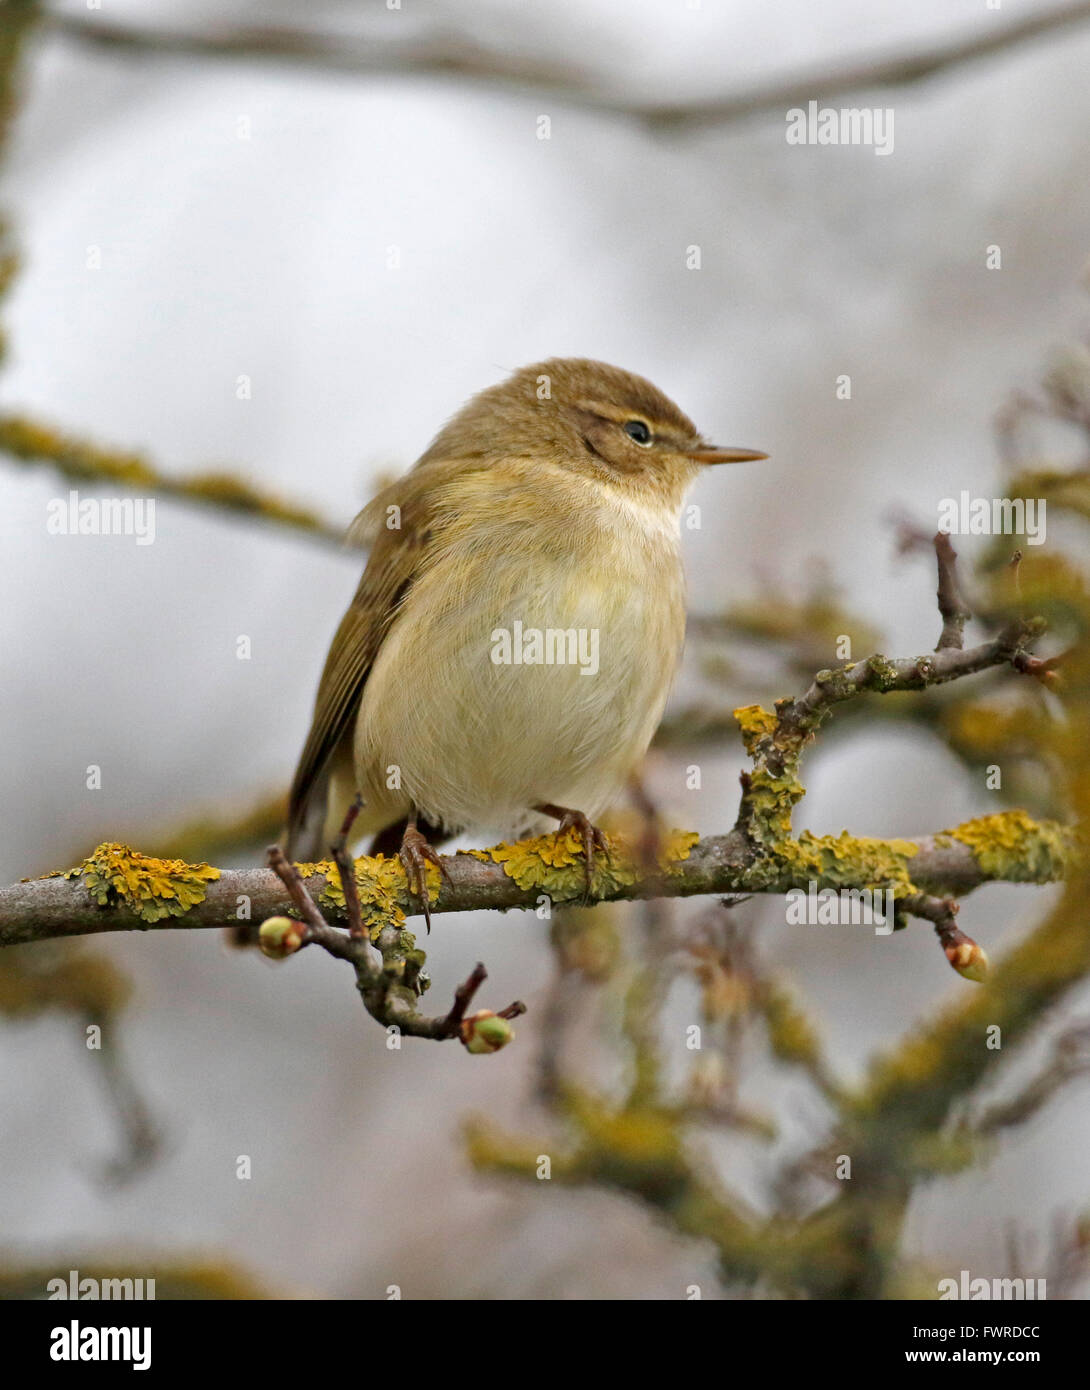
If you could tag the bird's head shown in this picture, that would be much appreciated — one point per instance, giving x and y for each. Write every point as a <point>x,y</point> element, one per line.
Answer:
<point>588,417</point>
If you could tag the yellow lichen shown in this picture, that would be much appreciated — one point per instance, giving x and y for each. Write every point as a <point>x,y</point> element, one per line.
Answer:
<point>847,861</point>
<point>554,864</point>
<point>771,801</point>
<point>151,888</point>
<point>756,723</point>
<point>676,848</point>
<point>27,439</point>
<point>382,886</point>
<point>1013,846</point>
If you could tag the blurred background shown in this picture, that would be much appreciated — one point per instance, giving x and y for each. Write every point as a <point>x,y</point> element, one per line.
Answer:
<point>297,269</point>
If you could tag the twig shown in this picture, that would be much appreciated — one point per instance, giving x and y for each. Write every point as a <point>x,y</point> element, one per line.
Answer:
<point>389,980</point>
<point>318,930</point>
<point>952,609</point>
<point>347,869</point>
<point>1070,1057</point>
<point>882,675</point>
<point>463,997</point>
<point>963,953</point>
<point>776,742</point>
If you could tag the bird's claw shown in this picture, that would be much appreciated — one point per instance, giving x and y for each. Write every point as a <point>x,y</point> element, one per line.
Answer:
<point>593,842</point>
<point>415,854</point>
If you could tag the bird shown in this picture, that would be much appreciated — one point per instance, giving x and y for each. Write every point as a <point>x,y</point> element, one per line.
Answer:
<point>507,656</point>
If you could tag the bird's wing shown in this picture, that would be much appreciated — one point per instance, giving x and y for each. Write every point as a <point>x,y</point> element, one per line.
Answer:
<point>397,552</point>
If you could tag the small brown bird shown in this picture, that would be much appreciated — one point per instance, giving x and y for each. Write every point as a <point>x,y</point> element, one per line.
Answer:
<point>512,642</point>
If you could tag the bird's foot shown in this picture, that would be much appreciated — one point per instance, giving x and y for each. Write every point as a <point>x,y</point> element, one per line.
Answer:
<point>415,855</point>
<point>593,839</point>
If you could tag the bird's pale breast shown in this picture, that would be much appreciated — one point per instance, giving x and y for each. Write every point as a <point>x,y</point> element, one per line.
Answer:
<point>530,663</point>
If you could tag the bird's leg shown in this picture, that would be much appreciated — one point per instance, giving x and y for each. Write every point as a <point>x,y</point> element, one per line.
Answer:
<point>343,860</point>
<point>415,854</point>
<point>592,837</point>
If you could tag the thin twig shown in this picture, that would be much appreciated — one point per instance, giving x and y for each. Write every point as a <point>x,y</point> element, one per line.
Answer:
<point>318,929</point>
<point>389,980</point>
<point>1070,1057</point>
<point>463,997</point>
<point>347,869</point>
<point>952,608</point>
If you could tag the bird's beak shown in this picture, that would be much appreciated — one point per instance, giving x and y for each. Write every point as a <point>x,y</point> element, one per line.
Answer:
<point>708,453</point>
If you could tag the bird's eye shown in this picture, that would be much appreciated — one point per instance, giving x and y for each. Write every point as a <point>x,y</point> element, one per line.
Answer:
<point>637,430</point>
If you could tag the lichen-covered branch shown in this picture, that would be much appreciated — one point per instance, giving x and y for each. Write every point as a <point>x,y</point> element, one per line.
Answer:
<point>117,889</point>
<point>28,441</point>
<point>776,740</point>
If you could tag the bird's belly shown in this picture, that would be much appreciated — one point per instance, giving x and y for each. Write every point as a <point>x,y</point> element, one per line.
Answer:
<point>522,693</point>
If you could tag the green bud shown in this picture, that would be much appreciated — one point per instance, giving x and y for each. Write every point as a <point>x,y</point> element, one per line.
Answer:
<point>485,1032</point>
<point>969,960</point>
<point>280,937</point>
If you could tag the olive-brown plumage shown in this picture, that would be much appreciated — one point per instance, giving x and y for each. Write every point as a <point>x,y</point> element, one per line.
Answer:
<point>549,504</point>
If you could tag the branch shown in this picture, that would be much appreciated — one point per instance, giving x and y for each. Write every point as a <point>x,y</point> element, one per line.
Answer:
<point>29,442</point>
<point>391,978</point>
<point>453,56</point>
<point>1069,1057</point>
<point>1009,847</point>
<point>951,605</point>
<point>775,741</point>
<point>116,889</point>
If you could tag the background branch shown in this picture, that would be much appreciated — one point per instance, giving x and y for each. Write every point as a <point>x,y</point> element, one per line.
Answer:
<point>455,56</point>
<point>27,441</point>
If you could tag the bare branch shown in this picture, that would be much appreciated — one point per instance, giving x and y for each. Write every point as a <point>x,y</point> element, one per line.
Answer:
<point>951,605</point>
<point>455,57</point>
<point>1070,1057</point>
